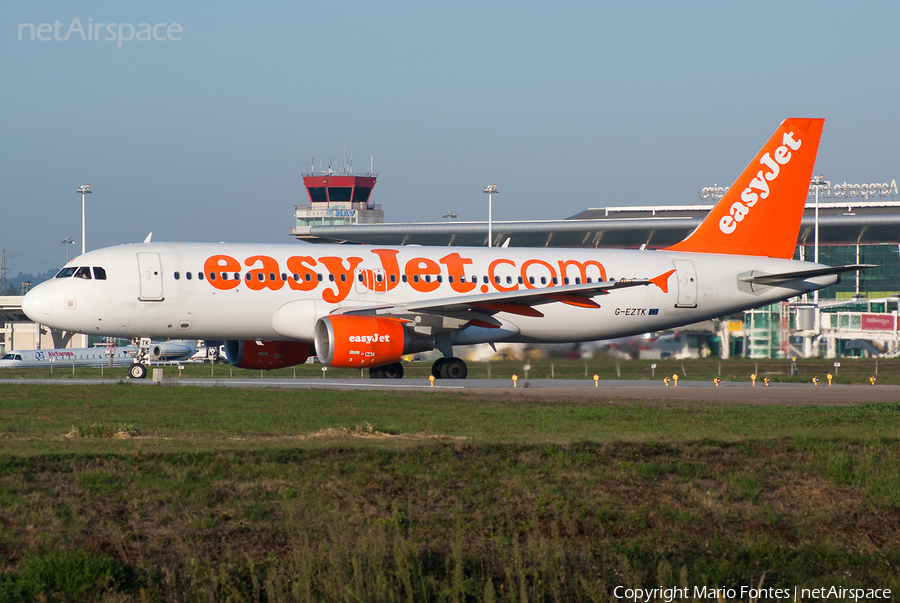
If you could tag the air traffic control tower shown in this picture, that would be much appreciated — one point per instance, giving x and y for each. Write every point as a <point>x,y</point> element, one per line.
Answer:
<point>336,198</point>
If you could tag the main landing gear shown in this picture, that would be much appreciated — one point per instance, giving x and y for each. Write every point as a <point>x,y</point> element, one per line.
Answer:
<point>449,368</point>
<point>388,371</point>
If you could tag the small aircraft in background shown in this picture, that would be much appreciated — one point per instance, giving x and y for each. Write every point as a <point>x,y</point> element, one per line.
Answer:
<point>163,351</point>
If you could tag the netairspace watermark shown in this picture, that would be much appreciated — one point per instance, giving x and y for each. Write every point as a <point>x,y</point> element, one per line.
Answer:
<point>675,593</point>
<point>107,32</point>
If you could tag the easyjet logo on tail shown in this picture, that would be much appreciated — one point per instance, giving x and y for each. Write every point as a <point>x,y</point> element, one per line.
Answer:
<point>759,186</point>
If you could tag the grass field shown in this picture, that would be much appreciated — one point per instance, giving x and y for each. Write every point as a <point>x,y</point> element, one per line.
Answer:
<point>124,493</point>
<point>851,370</point>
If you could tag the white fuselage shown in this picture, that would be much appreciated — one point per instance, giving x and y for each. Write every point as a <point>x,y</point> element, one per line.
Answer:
<point>154,289</point>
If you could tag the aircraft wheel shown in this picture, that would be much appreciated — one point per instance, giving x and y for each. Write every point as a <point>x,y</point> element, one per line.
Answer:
<point>393,371</point>
<point>137,371</point>
<point>436,368</point>
<point>376,372</point>
<point>454,368</point>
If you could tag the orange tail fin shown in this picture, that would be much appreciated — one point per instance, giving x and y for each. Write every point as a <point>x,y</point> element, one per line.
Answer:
<point>761,212</point>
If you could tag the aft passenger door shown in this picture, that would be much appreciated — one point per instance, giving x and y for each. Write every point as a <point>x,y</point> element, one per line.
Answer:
<point>687,283</point>
<point>151,276</point>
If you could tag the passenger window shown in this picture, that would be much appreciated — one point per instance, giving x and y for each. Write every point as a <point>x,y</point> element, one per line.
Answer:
<point>566,280</point>
<point>405,279</point>
<point>577,280</point>
<point>66,272</point>
<point>188,275</point>
<point>296,277</point>
<point>520,280</point>
<point>260,276</point>
<point>309,277</point>
<point>271,276</point>
<point>343,278</point>
<point>237,276</point>
<point>224,276</point>
<point>212,276</point>
<point>531,279</point>
<point>393,278</point>
<point>427,278</point>
<point>450,279</point>
<point>283,276</point>
<point>247,277</point>
<point>379,277</point>
<point>99,273</point>
<point>555,281</point>
<point>331,278</point>
<point>200,276</point>
<point>508,280</point>
<point>177,275</point>
<point>319,277</point>
<point>588,280</point>
<point>497,280</point>
<point>440,279</point>
<point>415,278</point>
<point>83,272</point>
<point>543,280</point>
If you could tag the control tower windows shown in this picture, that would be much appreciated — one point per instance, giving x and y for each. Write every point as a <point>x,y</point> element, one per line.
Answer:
<point>339,193</point>
<point>317,194</point>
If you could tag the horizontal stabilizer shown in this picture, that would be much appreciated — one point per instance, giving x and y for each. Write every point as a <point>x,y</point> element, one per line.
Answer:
<point>784,277</point>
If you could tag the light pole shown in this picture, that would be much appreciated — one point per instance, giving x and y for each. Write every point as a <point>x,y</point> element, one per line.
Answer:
<point>450,215</point>
<point>490,190</point>
<point>67,242</point>
<point>817,182</point>
<point>84,189</point>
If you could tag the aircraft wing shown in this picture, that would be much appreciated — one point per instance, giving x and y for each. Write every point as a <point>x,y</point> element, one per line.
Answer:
<point>478,308</point>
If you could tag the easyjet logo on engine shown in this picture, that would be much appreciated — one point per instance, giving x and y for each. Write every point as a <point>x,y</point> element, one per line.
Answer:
<point>759,186</point>
<point>376,338</point>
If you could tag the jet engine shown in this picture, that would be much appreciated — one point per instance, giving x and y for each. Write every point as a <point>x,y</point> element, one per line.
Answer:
<point>347,341</point>
<point>266,354</point>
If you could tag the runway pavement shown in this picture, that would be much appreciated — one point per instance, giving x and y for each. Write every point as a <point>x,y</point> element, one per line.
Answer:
<point>685,391</point>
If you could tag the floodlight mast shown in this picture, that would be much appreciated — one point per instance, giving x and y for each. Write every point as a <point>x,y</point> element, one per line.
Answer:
<point>68,241</point>
<point>490,190</point>
<point>818,182</point>
<point>450,215</point>
<point>84,189</point>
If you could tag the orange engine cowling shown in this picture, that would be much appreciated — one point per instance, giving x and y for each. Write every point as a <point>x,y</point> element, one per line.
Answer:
<point>266,354</point>
<point>353,341</point>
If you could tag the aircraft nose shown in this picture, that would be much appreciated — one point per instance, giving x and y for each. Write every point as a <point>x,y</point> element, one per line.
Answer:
<point>35,305</point>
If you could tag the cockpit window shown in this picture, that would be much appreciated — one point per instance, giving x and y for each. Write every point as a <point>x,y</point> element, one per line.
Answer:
<point>8,357</point>
<point>66,272</point>
<point>83,272</point>
<point>99,273</point>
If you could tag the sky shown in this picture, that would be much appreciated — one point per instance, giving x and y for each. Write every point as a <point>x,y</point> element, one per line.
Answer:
<point>203,133</point>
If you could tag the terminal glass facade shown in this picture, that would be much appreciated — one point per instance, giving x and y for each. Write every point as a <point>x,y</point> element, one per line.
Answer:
<point>881,281</point>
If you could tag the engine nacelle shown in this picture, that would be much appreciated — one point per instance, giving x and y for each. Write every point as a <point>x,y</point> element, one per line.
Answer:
<point>346,341</point>
<point>266,354</point>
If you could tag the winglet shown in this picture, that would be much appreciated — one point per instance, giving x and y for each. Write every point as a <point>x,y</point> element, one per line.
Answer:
<point>149,236</point>
<point>761,212</point>
<point>662,281</point>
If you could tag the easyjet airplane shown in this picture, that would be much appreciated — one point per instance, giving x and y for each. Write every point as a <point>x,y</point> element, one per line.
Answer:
<point>359,306</point>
